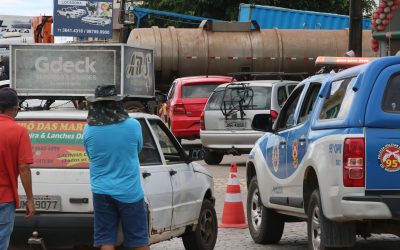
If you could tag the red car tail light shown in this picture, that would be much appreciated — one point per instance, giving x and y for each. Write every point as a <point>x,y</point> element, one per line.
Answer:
<point>274,114</point>
<point>202,123</point>
<point>179,108</point>
<point>354,162</point>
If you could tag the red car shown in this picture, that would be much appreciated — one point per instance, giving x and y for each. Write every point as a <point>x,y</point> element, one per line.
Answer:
<point>185,102</point>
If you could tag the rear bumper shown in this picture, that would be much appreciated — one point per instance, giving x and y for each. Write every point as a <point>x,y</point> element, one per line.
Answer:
<point>226,140</point>
<point>185,126</point>
<point>57,229</point>
<point>373,206</point>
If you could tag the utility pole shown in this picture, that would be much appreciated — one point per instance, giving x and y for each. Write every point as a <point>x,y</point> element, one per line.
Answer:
<point>355,33</point>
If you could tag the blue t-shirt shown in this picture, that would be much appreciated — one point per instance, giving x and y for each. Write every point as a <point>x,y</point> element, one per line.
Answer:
<point>114,162</point>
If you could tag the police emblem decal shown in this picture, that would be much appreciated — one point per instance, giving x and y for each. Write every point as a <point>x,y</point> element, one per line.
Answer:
<point>275,158</point>
<point>295,153</point>
<point>389,157</point>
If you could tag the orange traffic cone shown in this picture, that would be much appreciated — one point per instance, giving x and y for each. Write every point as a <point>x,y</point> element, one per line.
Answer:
<point>233,213</point>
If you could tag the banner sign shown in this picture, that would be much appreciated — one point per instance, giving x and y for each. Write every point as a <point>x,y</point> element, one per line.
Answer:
<point>16,26</point>
<point>58,70</point>
<point>76,70</point>
<point>57,144</point>
<point>91,18</point>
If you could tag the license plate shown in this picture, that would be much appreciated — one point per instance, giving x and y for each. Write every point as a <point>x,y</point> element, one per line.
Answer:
<point>42,202</point>
<point>235,124</point>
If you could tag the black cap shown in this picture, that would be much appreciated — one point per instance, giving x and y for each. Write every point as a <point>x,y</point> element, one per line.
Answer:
<point>8,97</point>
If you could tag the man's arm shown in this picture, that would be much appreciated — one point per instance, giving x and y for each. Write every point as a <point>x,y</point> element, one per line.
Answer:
<point>26,179</point>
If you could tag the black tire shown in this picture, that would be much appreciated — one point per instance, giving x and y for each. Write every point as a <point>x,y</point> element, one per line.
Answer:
<point>319,228</point>
<point>205,235</point>
<point>265,225</point>
<point>213,157</point>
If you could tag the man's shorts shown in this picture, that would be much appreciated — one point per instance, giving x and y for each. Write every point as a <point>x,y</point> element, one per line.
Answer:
<point>7,215</point>
<point>108,212</point>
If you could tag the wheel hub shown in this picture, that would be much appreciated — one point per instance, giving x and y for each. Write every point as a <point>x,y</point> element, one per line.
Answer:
<point>206,227</point>
<point>256,210</point>
<point>316,228</point>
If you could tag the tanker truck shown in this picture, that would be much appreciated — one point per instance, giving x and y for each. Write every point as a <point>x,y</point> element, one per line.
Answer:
<point>218,48</point>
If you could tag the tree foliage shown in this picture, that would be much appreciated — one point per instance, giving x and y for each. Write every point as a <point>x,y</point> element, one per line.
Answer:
<point>229,9</point>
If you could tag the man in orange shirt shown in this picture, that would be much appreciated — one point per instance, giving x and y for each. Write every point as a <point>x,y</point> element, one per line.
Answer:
<point>15,159</point>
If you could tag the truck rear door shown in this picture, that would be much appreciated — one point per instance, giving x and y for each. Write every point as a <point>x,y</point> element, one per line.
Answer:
<point>382,133</point>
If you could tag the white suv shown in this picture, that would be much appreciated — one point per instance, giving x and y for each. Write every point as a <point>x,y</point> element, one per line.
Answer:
<point>179,193</point>
<point>229,112</point>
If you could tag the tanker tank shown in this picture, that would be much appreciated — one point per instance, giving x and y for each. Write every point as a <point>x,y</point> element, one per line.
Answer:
<point>220,48</point>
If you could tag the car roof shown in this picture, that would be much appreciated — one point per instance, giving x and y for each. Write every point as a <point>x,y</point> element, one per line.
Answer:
<point>5,83</point>
<point>203,79</point>
<point>320,77</point>
<point>261,83</point>
<point>67,115</point>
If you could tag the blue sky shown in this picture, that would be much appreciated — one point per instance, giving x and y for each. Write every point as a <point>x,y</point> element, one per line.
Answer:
<point>26,7</point>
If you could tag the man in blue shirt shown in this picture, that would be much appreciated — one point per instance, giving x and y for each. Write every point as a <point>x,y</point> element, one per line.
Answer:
<point>113,141</point>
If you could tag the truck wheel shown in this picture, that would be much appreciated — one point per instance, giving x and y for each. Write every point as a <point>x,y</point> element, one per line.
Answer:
<point>265,225</point>
<point>205,235</point>
<point>319,228</point>
<point>213,157</point>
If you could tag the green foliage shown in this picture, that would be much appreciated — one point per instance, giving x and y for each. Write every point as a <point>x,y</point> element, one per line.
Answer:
<point>229,9</point>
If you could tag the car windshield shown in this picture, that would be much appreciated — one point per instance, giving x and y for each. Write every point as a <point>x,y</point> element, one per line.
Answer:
<point>261,98</point>
<point>198,90</point>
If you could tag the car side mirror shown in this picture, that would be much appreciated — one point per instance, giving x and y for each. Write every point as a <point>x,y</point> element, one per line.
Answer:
<point>196,154</point>
<point>262,122</point>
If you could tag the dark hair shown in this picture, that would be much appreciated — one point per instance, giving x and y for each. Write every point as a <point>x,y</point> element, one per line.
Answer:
<point>4,108</point>
<point>8,99</point>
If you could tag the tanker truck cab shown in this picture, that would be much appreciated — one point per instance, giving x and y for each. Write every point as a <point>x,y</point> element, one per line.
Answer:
<point>331,158</point>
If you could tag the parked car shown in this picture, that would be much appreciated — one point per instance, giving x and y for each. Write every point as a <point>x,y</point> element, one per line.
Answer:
<point>97,20</point>
<point>185,102</point>
<point>81,12</point>
<point>178,192</point>
<point>68,13</point>
<point>331,158</point>
<point>227,117</point>
<point>4,83</point>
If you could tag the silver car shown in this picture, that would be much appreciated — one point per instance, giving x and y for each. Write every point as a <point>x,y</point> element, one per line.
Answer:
<point>97,20</point>
<point>178,192</point>
<point>230,110</point>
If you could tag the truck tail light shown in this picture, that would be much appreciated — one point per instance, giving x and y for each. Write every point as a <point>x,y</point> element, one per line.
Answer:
<point>274,114</point>
<point>354,162</point>
<point>179,108</point>
<point>202,123</point>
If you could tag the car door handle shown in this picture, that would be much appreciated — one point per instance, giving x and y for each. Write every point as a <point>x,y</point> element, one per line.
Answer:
<point>145,175</point>
<point>79,200</point>
<point>172,172</point>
